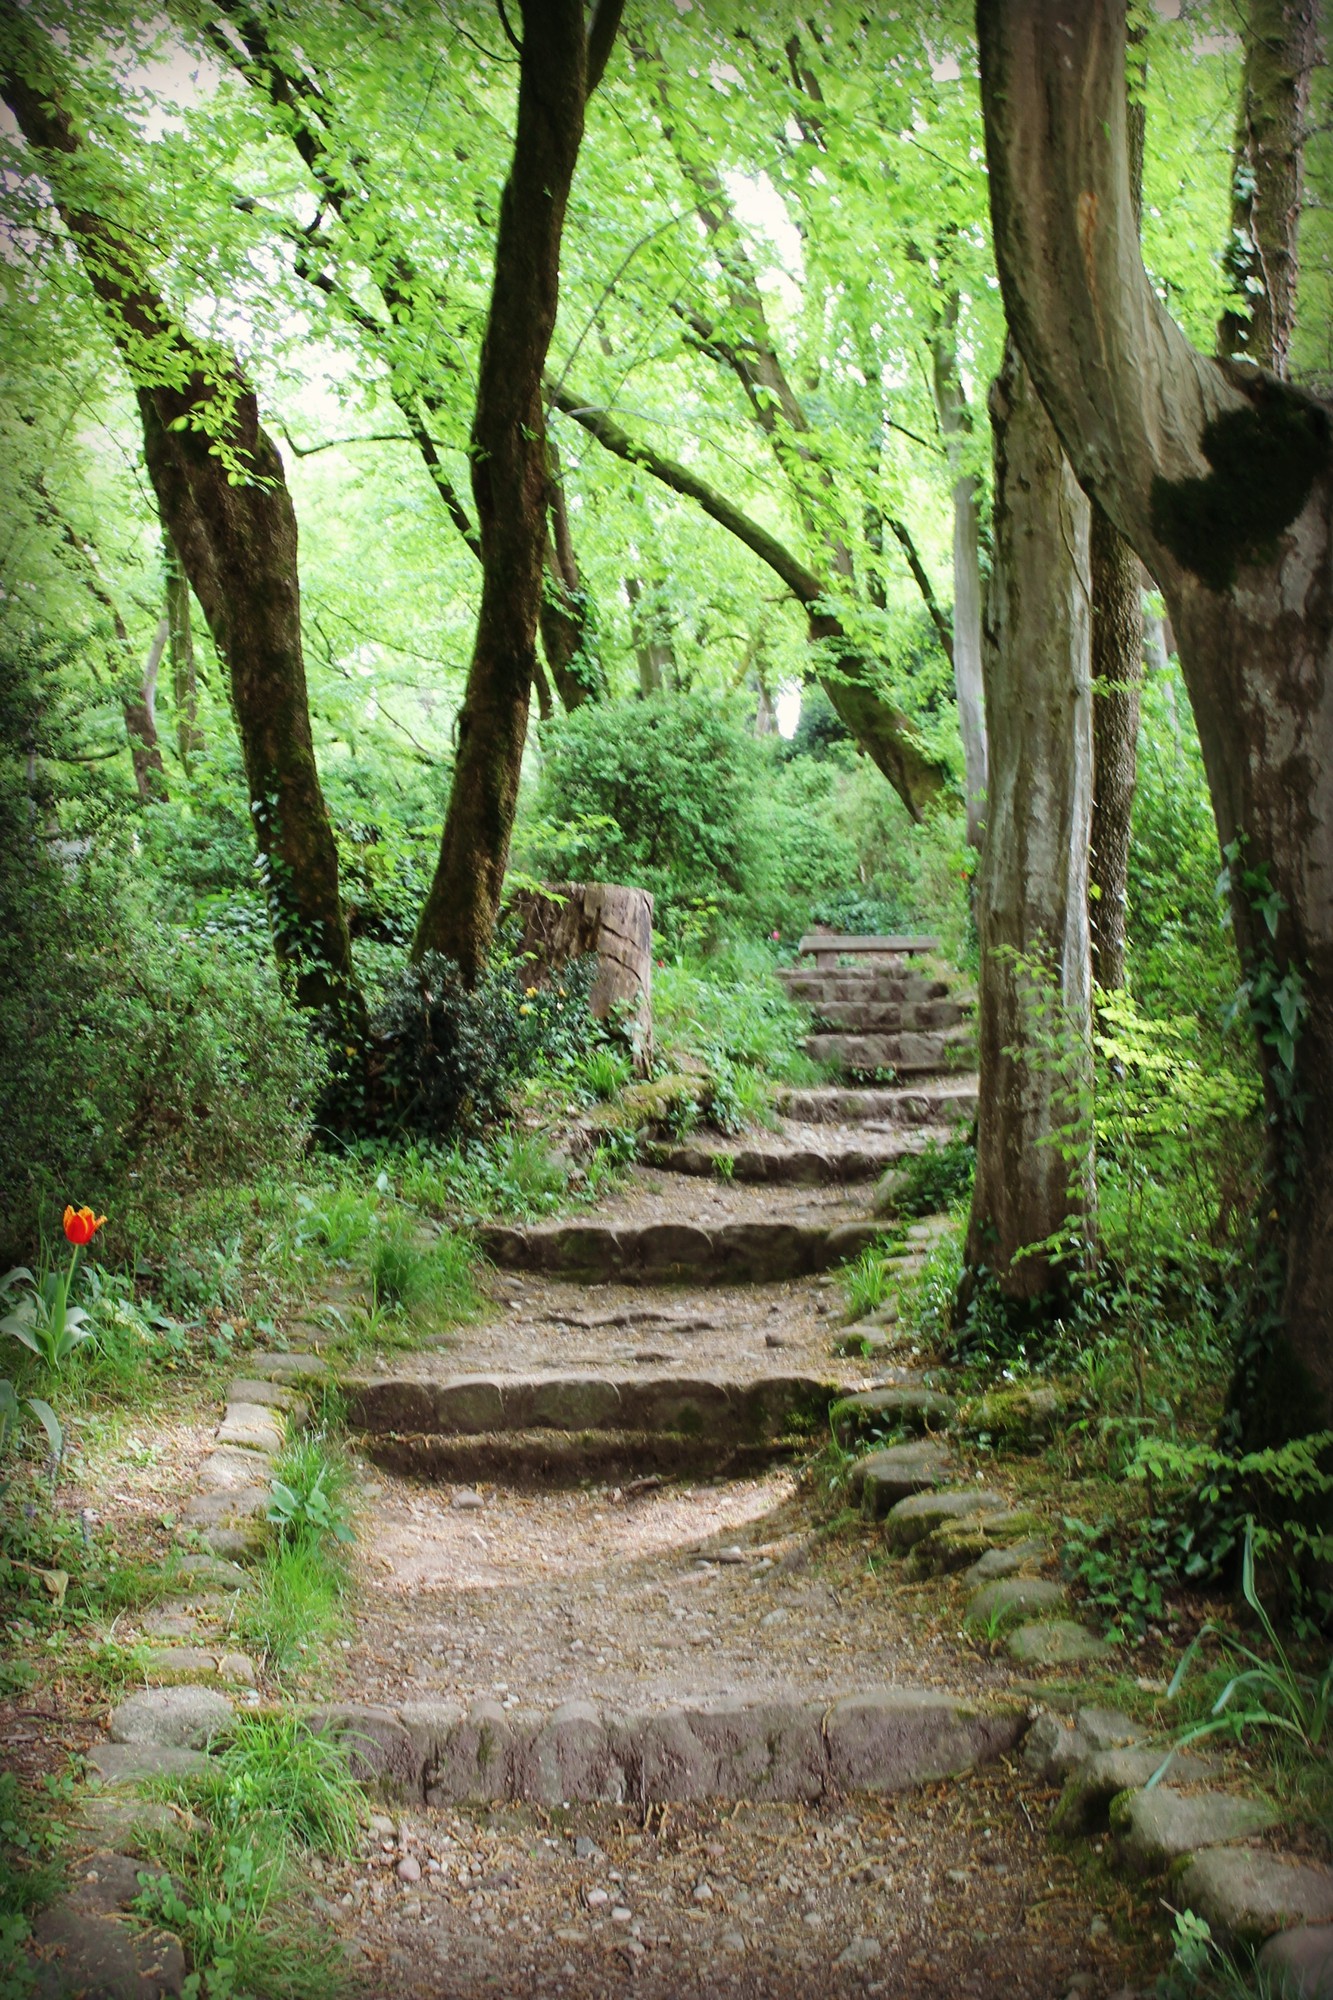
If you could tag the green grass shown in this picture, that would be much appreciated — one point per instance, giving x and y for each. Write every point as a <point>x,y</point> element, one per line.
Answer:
<point>273,1793</point>
<point>424,1281</point>
<point>604,1072</point>
<point>296,1607</point>
<point>512,1174</point>
<point>871,1279</point>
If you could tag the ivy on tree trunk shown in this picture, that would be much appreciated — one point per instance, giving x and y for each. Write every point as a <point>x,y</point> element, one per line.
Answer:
<point>1221,478</point>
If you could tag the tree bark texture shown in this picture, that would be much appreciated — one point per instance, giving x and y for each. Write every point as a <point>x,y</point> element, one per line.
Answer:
<point>1280,39</point>
<point>1032,907</point>
<point>1117,680</point>
<point>1221,477</point>
<point>951,408</point>
<point>570,919</point>
<point>509,485</point>
<point>236,534</point>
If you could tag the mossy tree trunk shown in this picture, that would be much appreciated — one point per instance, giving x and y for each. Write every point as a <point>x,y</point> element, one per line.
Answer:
<point>1034,1145</point>
<point>510,481</point>
<point>1117,680</point>
<point>223,498</point>
<point>1221,478</point>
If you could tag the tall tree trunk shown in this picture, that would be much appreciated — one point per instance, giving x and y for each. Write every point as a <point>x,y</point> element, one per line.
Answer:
<point>1117,682</point>
<point>955,422</point>
<point>567,637</point>
<point>347,183</point>
<point>1280,38</point>
<point>1221,477</point>
<point>1034,1142</point>
<point>509,486</point>
<point>140,712</point>
<point>223,497</point>
<point>654,656</point>
<point>184,672</point>
<point>1117,679</point>
<point>968,678</point>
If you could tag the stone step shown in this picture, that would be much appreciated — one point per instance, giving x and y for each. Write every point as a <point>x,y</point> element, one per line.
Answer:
<point>791,1163</point>
<point>860,983</point>
<point>536,1459</point>
<point>767,1409</point>
<point>906,1054</point>
<point>730,1252</point>
<point>775,1749</point>
<point>948,1102</point>
<point>891,1017</point>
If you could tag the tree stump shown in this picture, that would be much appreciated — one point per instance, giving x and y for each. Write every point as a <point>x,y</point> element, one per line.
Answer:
<point>568,919</point>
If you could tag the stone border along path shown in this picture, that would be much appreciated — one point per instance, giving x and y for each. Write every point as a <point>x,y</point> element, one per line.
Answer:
<point>787,1749</point>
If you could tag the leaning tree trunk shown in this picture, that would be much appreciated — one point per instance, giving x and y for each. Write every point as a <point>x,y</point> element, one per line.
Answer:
<point>223,498</point>
<point>509,484</point>
<point>1034,1151</point>
<point>1221,476</point>
<point>1117,680</point>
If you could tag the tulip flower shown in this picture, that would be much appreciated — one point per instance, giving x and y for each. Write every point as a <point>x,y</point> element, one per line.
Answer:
<point>81,1225</point>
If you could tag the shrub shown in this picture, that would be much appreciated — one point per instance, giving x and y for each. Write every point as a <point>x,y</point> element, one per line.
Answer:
<point>138,1061</point>
<point>453,1053</point>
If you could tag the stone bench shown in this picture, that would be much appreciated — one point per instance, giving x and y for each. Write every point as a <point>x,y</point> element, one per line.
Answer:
<point>826,948</point>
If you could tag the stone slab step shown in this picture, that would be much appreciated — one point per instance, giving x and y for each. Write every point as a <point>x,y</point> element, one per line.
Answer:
<point>861,983</point>
<point>907,1054</point>
<point>950,1101</point>
<point>677,1253</point>
<point>703,1406</point>
<point>774,1749</point>
<point>792,1165</point>
<point>891,1017</point>
<point>534,1459</point>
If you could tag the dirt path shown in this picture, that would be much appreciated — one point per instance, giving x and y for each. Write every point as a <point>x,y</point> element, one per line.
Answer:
<point>660,1593</point>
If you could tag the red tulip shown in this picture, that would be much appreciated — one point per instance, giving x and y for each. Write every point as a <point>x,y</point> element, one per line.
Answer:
<point>81,1225</point>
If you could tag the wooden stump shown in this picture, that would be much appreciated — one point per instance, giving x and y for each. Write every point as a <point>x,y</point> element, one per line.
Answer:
<point>568,919</point>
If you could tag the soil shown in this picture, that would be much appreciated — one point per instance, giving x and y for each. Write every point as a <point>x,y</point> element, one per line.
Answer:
<point>949,1891</point>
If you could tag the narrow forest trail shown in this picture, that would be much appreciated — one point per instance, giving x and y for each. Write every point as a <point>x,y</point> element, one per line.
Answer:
<point>668,1736</point>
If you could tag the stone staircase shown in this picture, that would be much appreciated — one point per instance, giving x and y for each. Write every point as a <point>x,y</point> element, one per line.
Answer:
<point>880,1006</point>
<point>624,1702</point>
